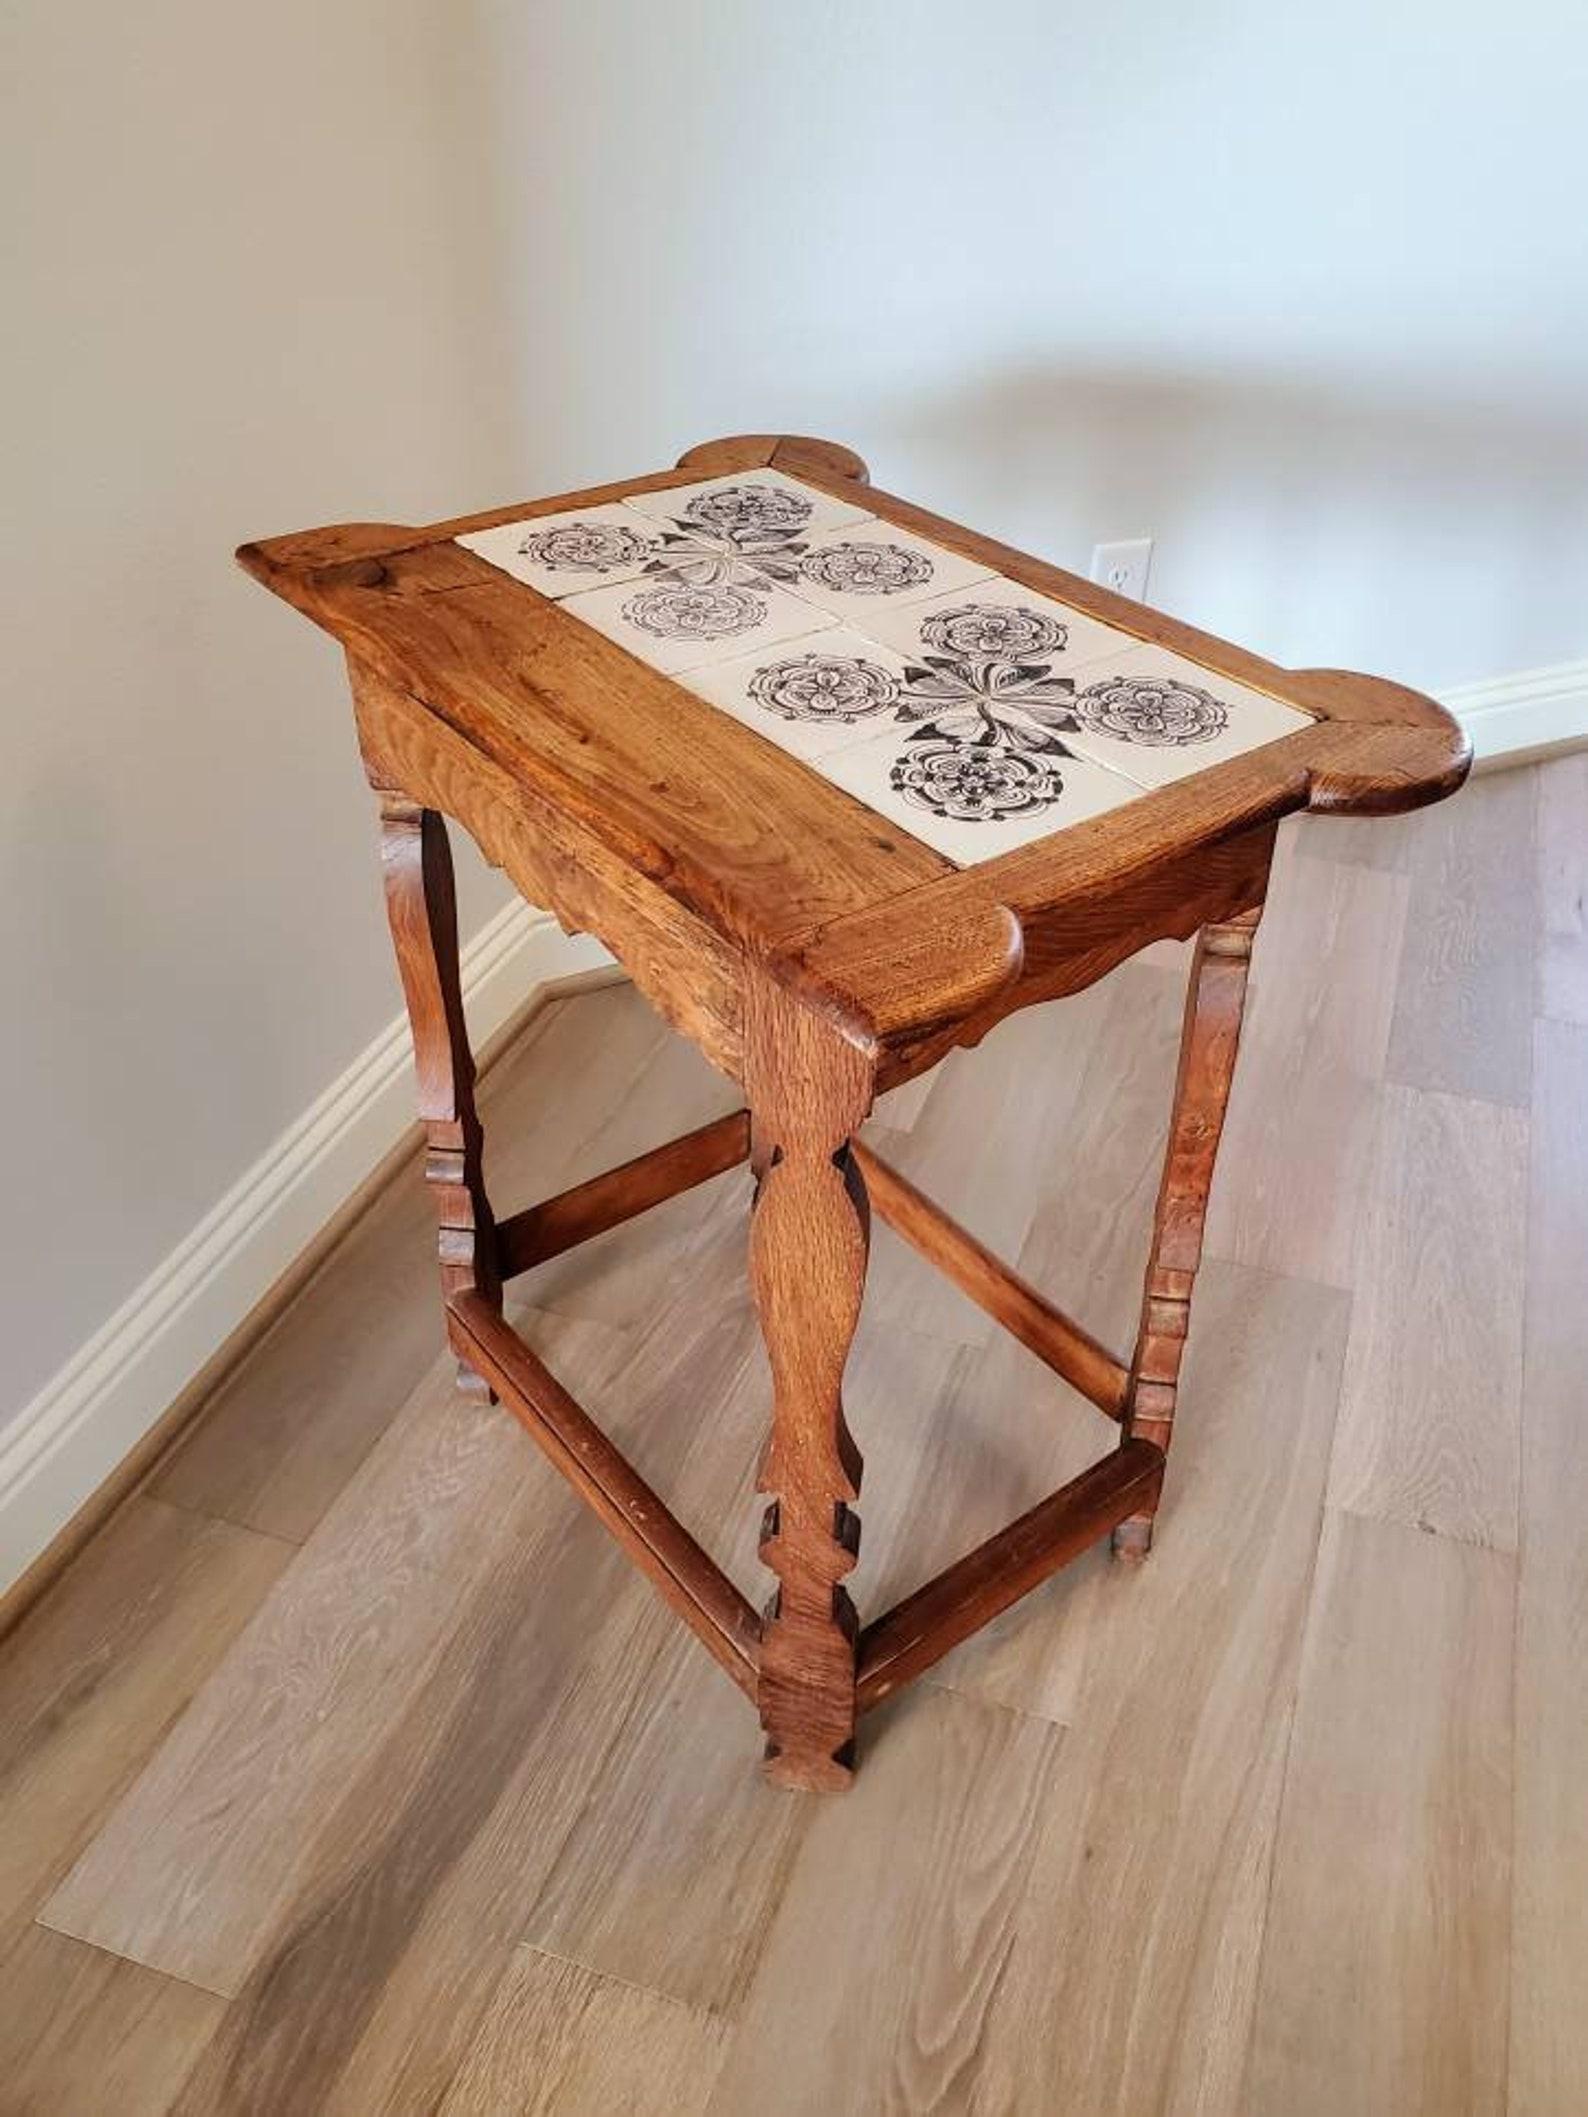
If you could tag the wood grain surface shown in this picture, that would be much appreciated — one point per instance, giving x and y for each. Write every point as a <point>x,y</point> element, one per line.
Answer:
<point>560,2039</point>
<point>1388,1922</point>
<point>704,856</point>
<point>1563,889</point>
<point>1549,1945</point>
<point>1291,1820</point>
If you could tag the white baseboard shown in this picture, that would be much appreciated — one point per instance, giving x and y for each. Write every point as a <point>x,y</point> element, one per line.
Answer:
<point>1514,718</point>
<point>91,1415</point>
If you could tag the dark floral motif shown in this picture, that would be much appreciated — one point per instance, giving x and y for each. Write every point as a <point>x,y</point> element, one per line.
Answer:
<point>992,632</point>
<point>748,513</point>
<point>682,610</point>
<point>585,547</point>
<point>975,782</point>
<point>1019,705</point>
<point>861,568</point>
<point>1159,711</point>
<point>691,555</point>
<point>824,688</point>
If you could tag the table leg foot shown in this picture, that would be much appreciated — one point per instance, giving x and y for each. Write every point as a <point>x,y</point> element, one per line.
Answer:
<point>1132,1540</point>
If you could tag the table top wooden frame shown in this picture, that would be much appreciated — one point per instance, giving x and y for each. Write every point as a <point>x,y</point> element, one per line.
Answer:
<point>675,834</point>
<point>817,954</point>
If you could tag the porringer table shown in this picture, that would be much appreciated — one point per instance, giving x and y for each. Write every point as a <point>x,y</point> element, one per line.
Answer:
<point>840,784</point>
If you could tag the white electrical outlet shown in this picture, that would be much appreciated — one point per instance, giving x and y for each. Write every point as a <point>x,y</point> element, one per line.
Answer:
<point>1124,567</point>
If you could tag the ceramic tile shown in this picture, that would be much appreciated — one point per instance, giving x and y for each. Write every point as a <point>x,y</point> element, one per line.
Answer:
<point>812,696</point>
<point>996,621</point>
<point>858,571</point>
<point>972,801</point>
<point>1157,717</point>
<point>563,553</point>
<point>750,507</point>
<point>677,624</point>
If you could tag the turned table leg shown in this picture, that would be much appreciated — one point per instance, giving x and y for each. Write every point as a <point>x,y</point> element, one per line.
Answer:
<point>1214,1005</point>
<point>809,1091</point>
<point>421,905</point>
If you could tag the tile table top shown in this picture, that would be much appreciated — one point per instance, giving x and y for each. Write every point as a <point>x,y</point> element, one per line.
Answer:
<point>752,719</point>
<point>968,709</point>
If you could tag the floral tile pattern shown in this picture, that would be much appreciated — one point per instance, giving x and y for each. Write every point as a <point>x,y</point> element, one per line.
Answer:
<point>973,800</point>
<point>970,710</point>
<point>677,622</point>
<point>998,618</point>
<point>753,504</point>
<point>812,696</point>
<point>1157,717</point>
<point>859,572</point>
<point>560,554</point>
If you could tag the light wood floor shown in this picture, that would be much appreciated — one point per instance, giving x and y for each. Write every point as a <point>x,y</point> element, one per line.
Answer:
<point>351,1770</point>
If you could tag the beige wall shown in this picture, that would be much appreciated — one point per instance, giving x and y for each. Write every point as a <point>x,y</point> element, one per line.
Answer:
<point>1299,291</point>
<point>254,275</point>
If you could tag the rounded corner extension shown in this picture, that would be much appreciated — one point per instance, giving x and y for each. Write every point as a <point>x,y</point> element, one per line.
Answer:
<point>1386,747</point>
<point>894,978</point>
<point>792,453</point>
<point>305,550</point>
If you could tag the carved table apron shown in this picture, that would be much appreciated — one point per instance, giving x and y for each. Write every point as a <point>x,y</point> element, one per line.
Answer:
<point>840,784</point>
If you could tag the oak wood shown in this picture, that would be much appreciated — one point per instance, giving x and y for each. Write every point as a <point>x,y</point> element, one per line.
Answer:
<point>1068,1349</point>
<point>1215,1001</point>
<point>305,1407</point>
<point>421,905</point>
<point>630,807</point>
<point>1548,2051</point>
<point>196,1887</point>
<point>981,1954</point>
<point>606,1201</point>
<point>925,1626</point>
<point>559,2040</point>
<point>695,1588</point>
<point>95,1674</point>
<point>1465,995</point>
<point>818,956</point>
<point>809,1093</point>
<point>83,2031</point>
<point>1401,1747</point>
<point>1132,1980</point>
<point>1430,1416</point>
<point>548,1695</point>
<point>1563,889</point>
<point>881,1971</point>
<point>1299,1137</point>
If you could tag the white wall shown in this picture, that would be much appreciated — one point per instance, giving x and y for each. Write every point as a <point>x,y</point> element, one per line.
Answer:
<point>1300,291</point>
<point>253,270</point>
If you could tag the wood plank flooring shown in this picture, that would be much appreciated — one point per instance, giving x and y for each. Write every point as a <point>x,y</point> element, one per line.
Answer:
<point>351,1770</point>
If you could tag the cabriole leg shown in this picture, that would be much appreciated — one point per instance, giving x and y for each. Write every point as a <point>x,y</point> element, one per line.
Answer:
<point>421,905</point>
<point>809,1091</point>
<point>1214,1004</point>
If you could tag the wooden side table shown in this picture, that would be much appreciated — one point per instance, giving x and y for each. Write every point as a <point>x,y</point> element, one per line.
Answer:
<point>841,784</point>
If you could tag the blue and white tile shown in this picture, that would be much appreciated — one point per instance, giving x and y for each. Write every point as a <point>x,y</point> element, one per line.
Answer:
<point>677,624</point>
<point>748,507</point>
<point>812,696</point>
<point>972,801</point>
<point>998,620</point>
<point>1159,718</point>
<point>858,571</point>
<point>563,553</point>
